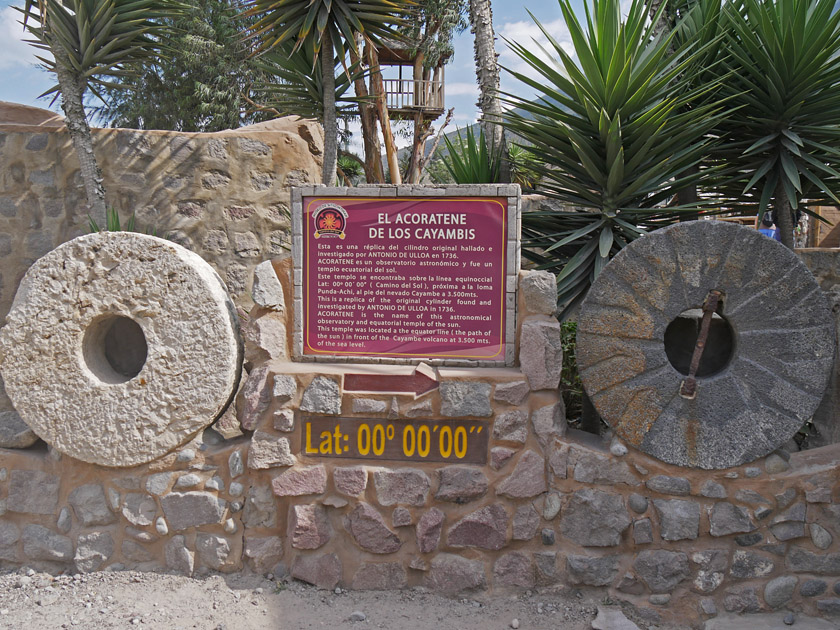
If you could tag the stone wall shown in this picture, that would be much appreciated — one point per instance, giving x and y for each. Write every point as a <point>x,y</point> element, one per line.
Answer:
<point>550,509</point>
<point>223,195</point>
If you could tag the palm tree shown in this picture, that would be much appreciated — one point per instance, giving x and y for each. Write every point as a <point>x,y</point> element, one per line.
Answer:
<point>487,75</point>
<point>324,28</point>
<point>92,43</point>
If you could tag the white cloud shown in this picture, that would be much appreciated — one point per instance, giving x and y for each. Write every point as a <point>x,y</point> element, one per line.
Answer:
<point>14,52</point>
<point>462,89</point>
<point>529,35</point>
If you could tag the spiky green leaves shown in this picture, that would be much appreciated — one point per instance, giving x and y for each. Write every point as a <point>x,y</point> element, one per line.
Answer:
<point>96,39</point>
<point>785,69</point>
<point>619,127</point>
<point>304,22</point>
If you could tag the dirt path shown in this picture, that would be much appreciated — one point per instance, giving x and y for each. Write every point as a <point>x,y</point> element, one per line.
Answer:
<point>129,599</point>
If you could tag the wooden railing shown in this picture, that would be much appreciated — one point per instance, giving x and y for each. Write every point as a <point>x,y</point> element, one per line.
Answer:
<point>410,94</point>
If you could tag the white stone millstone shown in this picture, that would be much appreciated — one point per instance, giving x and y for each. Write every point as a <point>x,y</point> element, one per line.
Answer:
<point>72,396</point>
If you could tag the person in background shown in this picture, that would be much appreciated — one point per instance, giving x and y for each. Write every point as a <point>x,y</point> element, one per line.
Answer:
<point>768,229</point>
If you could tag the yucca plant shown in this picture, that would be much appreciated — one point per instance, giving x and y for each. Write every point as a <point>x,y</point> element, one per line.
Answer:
<point>93,42</point>
<point>616,131</point>
<point>784,137</point>
<point>472,160</point>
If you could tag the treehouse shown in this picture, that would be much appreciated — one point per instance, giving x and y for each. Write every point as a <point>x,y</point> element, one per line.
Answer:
<point>410,88</point>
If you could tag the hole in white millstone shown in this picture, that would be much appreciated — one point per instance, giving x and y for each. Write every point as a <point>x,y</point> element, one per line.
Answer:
<point>681,338</point>
<point>115,348</point>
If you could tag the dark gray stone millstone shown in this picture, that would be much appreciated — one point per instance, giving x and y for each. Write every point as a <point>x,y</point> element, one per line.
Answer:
<point>782,351</point>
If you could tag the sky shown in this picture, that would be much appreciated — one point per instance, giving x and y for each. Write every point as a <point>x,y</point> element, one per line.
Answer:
<point>21,81</point>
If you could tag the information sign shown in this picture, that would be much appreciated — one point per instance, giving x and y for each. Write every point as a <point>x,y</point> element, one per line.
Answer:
<point>462,441</point>
<point>405,277</point>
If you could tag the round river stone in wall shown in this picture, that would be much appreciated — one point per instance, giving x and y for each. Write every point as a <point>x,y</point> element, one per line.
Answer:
<point>120,347</point>
<point>767,358</point>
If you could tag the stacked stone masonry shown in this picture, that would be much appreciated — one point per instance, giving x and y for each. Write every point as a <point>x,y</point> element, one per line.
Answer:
<point>551,507</point>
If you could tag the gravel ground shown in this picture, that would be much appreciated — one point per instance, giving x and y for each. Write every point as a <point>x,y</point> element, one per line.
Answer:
<point>129,599</point>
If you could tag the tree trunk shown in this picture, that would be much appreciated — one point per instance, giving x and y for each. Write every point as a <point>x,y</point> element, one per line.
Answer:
<point>330,125</point>
<point>487,75</point>
<point>378,89</point>
<point>422,131</point>
<point>664,24</point>
<point>370,136</point>
<point>783,215</point>
<point>72,89</point>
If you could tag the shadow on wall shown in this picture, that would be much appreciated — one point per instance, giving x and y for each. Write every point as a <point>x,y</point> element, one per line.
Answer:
<point>222,195</point>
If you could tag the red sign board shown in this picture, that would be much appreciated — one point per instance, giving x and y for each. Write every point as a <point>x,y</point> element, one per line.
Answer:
<point>404,277</point>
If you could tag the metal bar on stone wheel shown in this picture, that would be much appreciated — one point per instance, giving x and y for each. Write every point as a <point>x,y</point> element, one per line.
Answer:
<point>688,388</point>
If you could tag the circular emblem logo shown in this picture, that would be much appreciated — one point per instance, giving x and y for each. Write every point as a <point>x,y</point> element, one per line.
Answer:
<point>330,220</point>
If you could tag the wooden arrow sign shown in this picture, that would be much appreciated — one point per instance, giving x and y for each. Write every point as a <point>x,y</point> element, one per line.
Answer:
<point>424,379</point>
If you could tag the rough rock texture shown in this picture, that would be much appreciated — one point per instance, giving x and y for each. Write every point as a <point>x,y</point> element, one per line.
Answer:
<point>678,520</point>
<point>549,422</point>
<point>592,570</point>
<point>612,619</point>
<point>541,352</point>
<point>214,551</point>
<point>192,509</point>
<point>368,529</point>
<point>14,432</point>
<point>661,570</point>
<point>351,481</point>
<point>515,569</point>
<point>406,486</point>
<point>459,399</point>
<point>538,291</point>
<point>178,557</point>
<point>269,451</point>
<point>32,492</point>
<point>267,290</point>
<point>726,518</point>
<point>297,482</point>
<point>511,426</point>
<point>594,518</point>
<point>111,407</point>
<point>778,592</point>
<point>452,574</point>
<point>513,393</point>
<point>527,479</point>
<point>380,576</point>
<point>647,286</point>
<point>93,550</point>
<point>263,552</point>
<point>499,456</point>
<point>321,571</point>
<point>593,467</point>
<point>139,509</point>
<point>322,396</point>
<point>485,528</point>
<point>460,484</point>
<point>254,397</point>
<point>748,564</point>
<point>669,485</point>
<point>308,526</point>
<point>428,530</point>
<point>90,506</point>
<point>260,508</point>
<point>526,520</point>
<point>40,543</point>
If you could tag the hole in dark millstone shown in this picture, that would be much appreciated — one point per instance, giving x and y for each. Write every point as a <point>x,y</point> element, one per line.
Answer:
<point>681,338</point>
<point>115,348</point>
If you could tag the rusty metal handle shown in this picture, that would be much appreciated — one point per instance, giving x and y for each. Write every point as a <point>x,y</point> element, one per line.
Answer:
<point>688,388</point>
